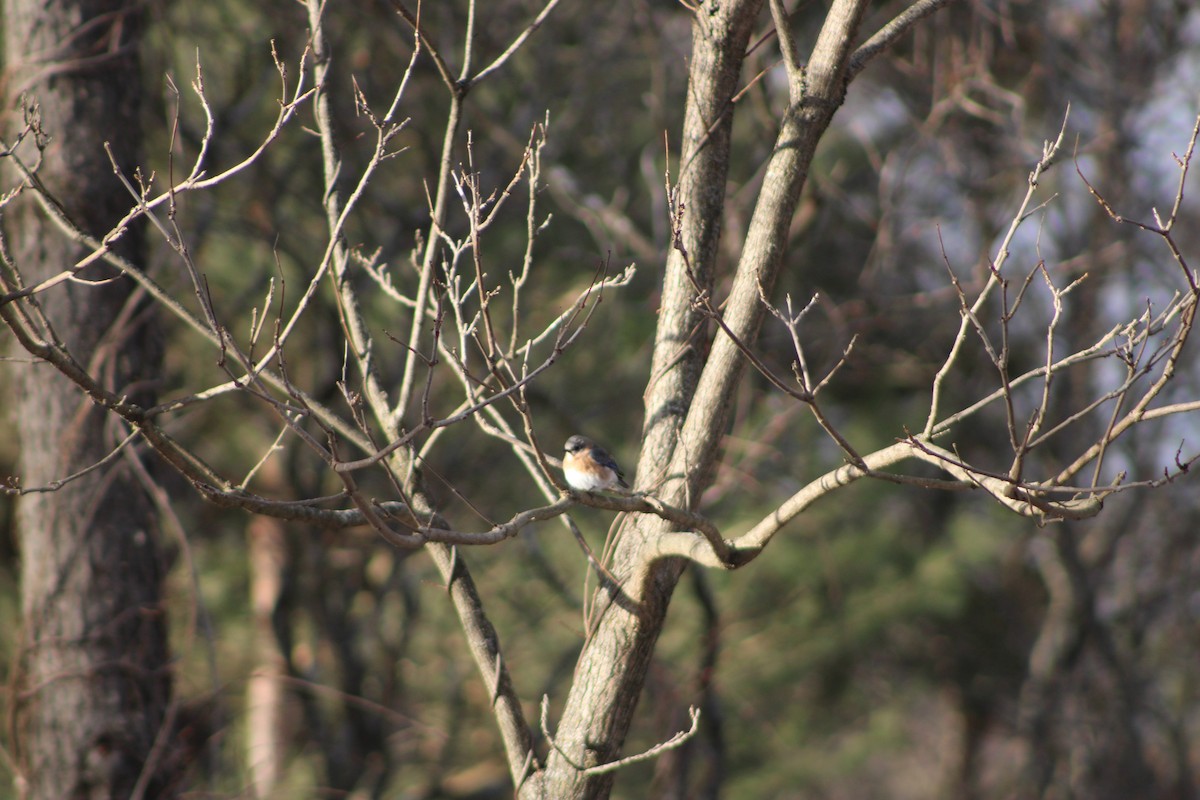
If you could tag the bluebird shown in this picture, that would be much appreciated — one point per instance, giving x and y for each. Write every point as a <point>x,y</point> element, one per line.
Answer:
<point>587,467</point>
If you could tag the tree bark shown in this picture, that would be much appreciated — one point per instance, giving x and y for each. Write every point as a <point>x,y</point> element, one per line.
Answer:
<point>94,681</point>
<point>677,459</point>
<point>681,342</point>
<point>612,668</point>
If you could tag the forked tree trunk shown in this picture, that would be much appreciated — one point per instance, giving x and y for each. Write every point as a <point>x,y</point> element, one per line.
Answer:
<point>94,679</point>
<point>687,407</point>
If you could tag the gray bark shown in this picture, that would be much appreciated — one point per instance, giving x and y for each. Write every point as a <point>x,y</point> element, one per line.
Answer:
<point>94,679</point>
<point>614,662</point>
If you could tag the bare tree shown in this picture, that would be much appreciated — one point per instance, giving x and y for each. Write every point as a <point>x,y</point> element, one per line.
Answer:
<point>474,350</point>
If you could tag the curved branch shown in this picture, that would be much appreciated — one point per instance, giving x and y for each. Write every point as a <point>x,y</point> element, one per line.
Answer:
<point>675,741</point>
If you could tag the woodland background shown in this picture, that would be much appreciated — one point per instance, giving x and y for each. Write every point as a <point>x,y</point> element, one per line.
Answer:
<point>895,641</point>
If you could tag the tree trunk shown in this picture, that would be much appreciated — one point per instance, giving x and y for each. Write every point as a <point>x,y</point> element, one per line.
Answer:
<point>266,695</point>
<point>94,680</point>
<point>677,459</point>
<point>612,669</point>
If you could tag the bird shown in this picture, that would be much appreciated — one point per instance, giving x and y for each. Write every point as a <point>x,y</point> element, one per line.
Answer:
<point>587,466</point>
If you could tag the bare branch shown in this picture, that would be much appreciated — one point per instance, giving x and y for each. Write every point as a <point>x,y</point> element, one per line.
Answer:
<point>670,744</point>
<point>888,34</point>
<point>516,43</point>
<point>1049,152</point>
